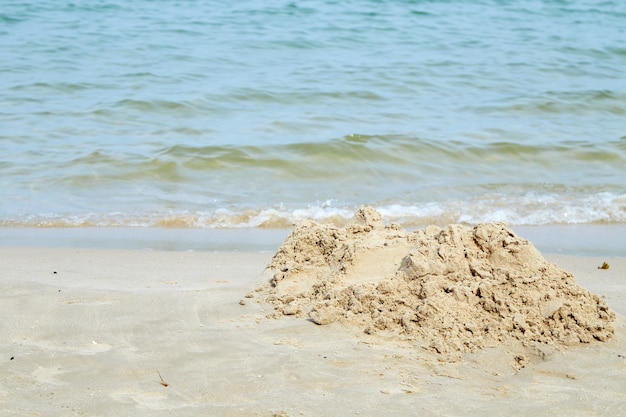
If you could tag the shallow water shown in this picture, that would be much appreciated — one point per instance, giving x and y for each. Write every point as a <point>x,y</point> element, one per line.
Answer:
<point>257,114</point>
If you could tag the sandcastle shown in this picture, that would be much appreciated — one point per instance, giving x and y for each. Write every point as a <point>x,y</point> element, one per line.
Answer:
<point>454,289</point>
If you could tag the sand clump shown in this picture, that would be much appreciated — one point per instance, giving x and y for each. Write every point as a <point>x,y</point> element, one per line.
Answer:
<point>455,289</point>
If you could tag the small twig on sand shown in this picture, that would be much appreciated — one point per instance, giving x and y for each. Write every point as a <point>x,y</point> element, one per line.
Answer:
<point>165,384</point>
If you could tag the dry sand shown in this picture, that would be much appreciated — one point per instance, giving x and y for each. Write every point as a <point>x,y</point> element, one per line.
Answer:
<point>84,332</point>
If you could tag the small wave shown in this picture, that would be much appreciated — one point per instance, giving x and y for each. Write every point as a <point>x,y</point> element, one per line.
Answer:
<point>370,166</point>
<point>388,153</point>
<point>154,106</point>
<point>4,18</point>
<point>265,96</point>
<point>555,102</point>
<point>527,210</point>
<point>55,88</point>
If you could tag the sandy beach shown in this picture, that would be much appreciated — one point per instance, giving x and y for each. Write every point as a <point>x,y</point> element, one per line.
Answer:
<point>88,331</point>
<point>337,208</point>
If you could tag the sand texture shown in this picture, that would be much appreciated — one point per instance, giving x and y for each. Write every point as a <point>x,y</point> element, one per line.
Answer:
<point>86,332</point>
<point>453,290</point>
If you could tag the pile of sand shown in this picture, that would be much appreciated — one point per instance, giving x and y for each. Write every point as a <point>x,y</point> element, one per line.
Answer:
<point>454,290</point>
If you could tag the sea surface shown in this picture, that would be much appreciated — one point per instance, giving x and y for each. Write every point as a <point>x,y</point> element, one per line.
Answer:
<point>258,114</point>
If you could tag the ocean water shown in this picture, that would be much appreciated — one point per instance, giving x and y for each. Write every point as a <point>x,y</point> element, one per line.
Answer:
<point>258,114</point>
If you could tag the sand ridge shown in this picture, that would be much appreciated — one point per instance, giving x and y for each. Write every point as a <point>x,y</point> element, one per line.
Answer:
<point>453,290</point>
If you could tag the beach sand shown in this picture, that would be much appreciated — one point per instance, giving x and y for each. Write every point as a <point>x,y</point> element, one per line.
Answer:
<point>88,331</point>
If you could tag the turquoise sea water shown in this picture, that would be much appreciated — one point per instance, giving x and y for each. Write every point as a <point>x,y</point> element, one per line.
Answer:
<point>253,114</point>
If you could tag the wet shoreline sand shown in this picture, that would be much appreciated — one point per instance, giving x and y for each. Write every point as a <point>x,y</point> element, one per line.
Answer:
<point>574,239</point>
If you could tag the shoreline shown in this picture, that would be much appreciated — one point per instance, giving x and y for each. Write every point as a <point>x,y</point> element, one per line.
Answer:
<point>577,240</point>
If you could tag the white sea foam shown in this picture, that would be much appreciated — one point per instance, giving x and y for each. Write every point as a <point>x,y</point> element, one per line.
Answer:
<point>526,210</point>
